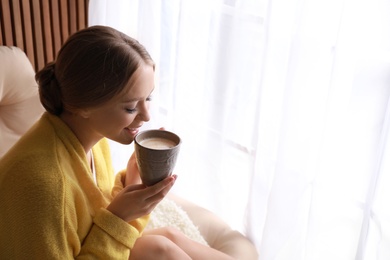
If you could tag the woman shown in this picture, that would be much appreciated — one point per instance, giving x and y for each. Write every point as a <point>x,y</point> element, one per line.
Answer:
<point>59,199</point>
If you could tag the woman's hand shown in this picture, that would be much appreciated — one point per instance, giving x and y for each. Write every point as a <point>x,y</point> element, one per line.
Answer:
<point>132,172</point>
<point>137,200</point>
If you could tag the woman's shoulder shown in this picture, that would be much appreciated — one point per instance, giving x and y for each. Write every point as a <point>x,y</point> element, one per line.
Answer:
<point>36,142</point>
<point>36,152</point>
<point>25,162</point>
<point>30,174</point>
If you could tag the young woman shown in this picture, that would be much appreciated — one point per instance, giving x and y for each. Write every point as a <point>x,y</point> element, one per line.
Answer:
<point>58,195</point>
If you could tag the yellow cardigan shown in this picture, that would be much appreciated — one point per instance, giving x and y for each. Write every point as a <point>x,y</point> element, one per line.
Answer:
<point>50,207</point>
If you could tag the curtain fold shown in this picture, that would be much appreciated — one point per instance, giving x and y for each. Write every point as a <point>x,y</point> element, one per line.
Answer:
<point>282,106</point>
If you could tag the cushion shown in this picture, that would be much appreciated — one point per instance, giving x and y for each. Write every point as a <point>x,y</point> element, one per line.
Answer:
<point>169,214</point>
<point>19,99</point>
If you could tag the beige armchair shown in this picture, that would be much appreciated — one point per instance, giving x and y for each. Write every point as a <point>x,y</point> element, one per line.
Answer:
<point>19,101</point>
<point>20,108</point>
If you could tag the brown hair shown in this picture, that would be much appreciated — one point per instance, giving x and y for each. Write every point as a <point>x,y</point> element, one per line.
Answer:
<point>92,66</point>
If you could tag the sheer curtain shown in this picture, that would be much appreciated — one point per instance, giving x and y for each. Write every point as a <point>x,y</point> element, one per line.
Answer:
<point>283,106</point>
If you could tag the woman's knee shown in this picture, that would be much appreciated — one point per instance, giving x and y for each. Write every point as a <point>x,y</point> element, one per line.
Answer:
<point>172,234</point>
<point>156,247</point>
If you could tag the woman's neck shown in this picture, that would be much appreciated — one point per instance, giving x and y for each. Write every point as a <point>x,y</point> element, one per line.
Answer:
<point>81,129</point>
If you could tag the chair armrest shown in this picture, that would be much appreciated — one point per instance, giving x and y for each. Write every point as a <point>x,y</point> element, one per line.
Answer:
<point>216,232</point>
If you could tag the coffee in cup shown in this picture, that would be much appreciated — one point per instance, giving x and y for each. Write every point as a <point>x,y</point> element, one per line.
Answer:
<point>156,153</point>
<point>157,143</point>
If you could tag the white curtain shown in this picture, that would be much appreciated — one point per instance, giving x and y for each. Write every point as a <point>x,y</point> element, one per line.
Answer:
<point>283,107</point>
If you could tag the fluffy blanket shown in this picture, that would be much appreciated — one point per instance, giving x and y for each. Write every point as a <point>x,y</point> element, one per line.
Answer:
<point>168,213</point>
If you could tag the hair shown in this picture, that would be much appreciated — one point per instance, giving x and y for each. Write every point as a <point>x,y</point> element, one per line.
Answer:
<point>93,66</point>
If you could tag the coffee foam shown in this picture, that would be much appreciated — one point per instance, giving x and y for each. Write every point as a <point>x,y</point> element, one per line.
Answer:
<point>157,143</point>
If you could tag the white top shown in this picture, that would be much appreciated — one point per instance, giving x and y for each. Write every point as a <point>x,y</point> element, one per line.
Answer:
<point>93,168</point>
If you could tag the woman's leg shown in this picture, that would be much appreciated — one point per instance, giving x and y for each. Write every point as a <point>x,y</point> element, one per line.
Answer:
<point>156,247</point>
<point>192,248</point>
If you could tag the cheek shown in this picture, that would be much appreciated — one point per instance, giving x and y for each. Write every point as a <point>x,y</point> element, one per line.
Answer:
<point>124,119</point>
<point>127,120</point>
<point>114,120</point>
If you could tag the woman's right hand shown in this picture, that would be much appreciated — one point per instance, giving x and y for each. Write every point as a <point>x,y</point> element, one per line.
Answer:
<point>137,200</point>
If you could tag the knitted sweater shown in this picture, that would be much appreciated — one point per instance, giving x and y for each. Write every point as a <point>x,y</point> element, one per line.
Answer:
<point>50,207</point>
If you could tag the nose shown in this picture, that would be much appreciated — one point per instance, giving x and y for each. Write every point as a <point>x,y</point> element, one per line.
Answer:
<point>144,114</point>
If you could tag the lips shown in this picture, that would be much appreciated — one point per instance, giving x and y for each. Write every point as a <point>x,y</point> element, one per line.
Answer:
<point>133,131</point>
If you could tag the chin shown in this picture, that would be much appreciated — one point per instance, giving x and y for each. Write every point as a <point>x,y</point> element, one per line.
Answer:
<point>122,140</point>
<point>125,140</point>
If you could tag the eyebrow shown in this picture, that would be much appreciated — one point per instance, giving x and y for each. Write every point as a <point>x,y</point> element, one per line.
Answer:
<point>136,99</point>
<point>130,100</point>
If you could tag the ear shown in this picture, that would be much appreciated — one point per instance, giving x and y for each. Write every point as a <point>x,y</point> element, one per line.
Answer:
<point>84,112</point>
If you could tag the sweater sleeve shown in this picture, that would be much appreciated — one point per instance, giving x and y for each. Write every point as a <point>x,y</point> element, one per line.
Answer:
<point>110,233</point>
<point>111,237</point>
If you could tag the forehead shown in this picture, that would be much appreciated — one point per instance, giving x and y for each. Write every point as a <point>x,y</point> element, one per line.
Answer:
<point>140,84</point>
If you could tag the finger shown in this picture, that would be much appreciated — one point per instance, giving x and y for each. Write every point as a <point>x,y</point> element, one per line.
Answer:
<point>160,186</point>
<point>134,187</point>
<point>155,199</point>
<point>162,128</point>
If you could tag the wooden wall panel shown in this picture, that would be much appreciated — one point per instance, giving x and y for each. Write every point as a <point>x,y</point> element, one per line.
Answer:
<point>38,36</point>
<point>64,19</point>
<point>40,27</point>
<point>55,23</point>
<point>72,16</point>
<point>6,20</point>
<point>17,21</point>
<point>27,31</point>
<point>47,29</point>
<point>1,38</point>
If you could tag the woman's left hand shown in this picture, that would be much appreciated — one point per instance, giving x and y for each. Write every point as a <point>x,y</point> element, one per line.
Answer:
<point>132,172</point>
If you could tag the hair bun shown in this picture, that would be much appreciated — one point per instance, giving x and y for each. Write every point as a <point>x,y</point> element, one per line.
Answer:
<point>49,89</point>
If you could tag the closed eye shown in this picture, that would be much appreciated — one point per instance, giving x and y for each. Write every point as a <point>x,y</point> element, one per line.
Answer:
<point>130,110</point>
<point>133,110</point>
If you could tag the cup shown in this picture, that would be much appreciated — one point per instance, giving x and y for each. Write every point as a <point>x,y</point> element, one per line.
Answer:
<point>156,152</point>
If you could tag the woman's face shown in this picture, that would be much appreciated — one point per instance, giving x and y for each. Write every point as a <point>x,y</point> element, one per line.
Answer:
<point>120,118</point>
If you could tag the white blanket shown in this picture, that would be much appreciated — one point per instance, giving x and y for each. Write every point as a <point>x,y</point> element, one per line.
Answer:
<point>168,213</point>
